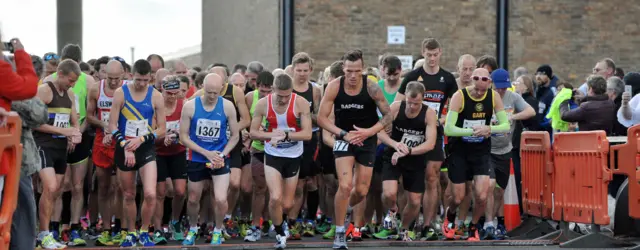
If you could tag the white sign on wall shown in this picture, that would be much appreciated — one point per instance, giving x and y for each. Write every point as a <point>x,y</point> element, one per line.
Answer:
<point>395,34</point>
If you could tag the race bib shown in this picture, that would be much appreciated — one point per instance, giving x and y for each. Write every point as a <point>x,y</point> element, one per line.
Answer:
<point>412,141</point>
<point>61,120</point>
<point>434,105</point>
<point>173,125</point>
<point>470,124</point>
<point>208,130</point>
<point>340,146</point>
<point>104,116</point>
<point>228,132</point>
<point>135,128</point>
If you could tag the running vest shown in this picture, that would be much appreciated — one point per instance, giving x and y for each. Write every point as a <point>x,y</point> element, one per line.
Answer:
<point>228,94</point>
<point>80,91</point>
<point>103,110</point>
<point>207,129</point>
<point>410,132</point>
<point>136,117</point>
<point>59,116</point>
<point>474,112</point>
<point>358,110</point>
<point>173,123</point>
<point>308,95</point>
<point>286,122</point>
<point>257,144</point>
<point>389,97</point>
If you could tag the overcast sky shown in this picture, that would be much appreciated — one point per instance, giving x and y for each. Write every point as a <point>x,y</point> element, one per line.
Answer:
<point>110,27</point>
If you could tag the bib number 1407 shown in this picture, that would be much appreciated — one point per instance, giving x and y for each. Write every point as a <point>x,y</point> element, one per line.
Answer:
<point>340,146</point>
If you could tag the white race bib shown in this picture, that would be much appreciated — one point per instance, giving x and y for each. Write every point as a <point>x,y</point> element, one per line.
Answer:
<point>135,128</point>
<point>228,132</point>
<point>104,116</point>
<point>412,141</point>
<point>208,130</point>
<point>173,125</point>
<point>286,143</point>
<point>61,120</point>
<point>340,146</point>
<point>470,124</point>
<point>434,105</point>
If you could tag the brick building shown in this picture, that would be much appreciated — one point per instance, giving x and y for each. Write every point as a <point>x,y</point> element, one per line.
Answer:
<point>570,35</point>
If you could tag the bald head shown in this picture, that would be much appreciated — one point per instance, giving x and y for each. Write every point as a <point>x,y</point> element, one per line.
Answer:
<point>220,71</point>
<point>481,72</point>
<point>238,79</point>
<point>277,72</point>
<point>114,67</point>
<point>211,88</point>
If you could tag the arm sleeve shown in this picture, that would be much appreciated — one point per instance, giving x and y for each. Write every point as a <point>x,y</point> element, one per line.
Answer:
<point>503,123</point>
<point>450,128</point>
<point>19,85</point>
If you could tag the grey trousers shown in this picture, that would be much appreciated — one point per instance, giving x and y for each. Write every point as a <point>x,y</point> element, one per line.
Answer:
<point>23,226</point>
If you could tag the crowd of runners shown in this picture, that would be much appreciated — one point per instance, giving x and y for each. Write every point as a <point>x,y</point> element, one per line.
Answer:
<point>145,153</point>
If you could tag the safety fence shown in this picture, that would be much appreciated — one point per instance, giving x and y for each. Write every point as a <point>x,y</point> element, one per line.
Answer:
<point>10,155</point>
<point>567,181</point>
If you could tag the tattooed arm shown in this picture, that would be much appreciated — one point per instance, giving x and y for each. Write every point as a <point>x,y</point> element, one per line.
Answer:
<point>317,97</point>
<point>376,93</point>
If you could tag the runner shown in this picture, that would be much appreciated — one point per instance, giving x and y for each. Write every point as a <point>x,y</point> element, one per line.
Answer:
<point>288,124</point>
<point>302,68</point>
<point>60,135</point>
<point>439,86</point>
<point>468,130</point>
<point>130,120</point>
<point>517,110</point>
<point>99,102</point>
<point>391,70</point>
<point>413,134</point>
<point>264,88</point>
<point>328,163</point>
<point>171,162</point>
<point>203,130</point>
<point>356,126</point>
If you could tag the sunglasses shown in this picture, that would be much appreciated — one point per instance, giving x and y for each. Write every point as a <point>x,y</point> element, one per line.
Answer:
<point>117,58</point>
<point>51,56</point>
<point>483,78</point>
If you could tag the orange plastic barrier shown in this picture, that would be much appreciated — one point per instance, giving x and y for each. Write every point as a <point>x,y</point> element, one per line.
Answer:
<point>11,149</point>
<point>537,173</point>
<point>581,177</point>
<point>627,156</point>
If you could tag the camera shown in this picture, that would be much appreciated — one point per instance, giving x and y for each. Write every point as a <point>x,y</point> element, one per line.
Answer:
<point>8,47</point>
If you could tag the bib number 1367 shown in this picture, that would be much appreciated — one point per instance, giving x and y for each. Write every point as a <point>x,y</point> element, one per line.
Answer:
<point>340,146</point>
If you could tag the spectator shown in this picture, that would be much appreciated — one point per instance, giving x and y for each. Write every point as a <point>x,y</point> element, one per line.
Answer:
<point>596,102</point>
<point>524,87</point>
<point>19,82</point>
<point>615,88</point>
<point>520,71</point>
<point>629,112</point>
<point>544,94</point>
<point>605,68</point>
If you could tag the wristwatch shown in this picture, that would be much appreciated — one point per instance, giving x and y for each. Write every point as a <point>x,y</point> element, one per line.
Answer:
<point>221,155</point>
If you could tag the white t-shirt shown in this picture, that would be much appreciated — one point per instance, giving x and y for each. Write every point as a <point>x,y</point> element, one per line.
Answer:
<point>634,104</point>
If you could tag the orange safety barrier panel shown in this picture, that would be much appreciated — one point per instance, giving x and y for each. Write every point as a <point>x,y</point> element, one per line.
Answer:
<point>627,156</point>
<point>537,173</point>
<point>11,149</point>
<point>581,177</point>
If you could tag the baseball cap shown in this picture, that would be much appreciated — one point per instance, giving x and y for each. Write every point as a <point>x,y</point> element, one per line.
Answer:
<point>500,78</point>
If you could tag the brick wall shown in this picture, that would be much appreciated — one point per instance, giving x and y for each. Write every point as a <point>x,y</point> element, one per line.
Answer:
<point>328,28</point>
<point>571,35</point>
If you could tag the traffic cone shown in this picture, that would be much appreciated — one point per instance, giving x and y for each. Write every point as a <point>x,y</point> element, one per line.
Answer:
<point>511,207</point>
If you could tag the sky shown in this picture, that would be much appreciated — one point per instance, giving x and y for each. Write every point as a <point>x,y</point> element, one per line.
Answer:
<point>110,27</point>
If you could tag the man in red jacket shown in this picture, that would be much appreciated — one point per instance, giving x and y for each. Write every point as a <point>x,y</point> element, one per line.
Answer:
<point>15,86</point>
